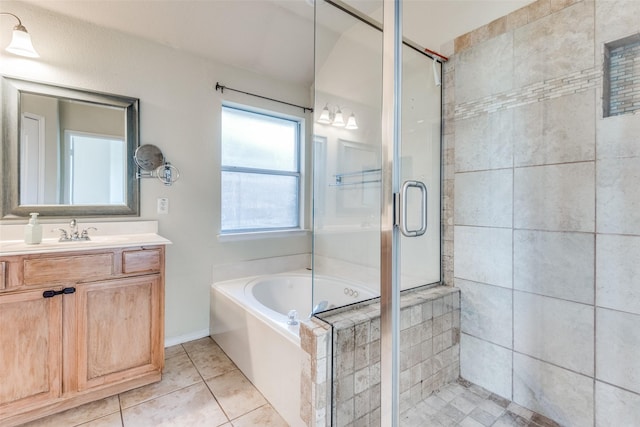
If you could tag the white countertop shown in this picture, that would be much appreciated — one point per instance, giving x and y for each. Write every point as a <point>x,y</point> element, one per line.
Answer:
<point>108,235</point>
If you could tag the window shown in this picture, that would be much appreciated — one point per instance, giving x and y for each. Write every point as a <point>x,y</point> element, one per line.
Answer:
<point>260,172</point>
<point>88,181</point>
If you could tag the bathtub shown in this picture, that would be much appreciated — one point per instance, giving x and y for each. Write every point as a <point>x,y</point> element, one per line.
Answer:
<point>249,321</point>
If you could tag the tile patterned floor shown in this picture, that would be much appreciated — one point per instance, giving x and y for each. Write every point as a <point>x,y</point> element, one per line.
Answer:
<point>468,405</point>
<point>200,386</point>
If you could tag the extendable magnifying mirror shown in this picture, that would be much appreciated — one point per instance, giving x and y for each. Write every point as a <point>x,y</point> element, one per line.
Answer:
<point>148,157</point>
<point>152,163</point>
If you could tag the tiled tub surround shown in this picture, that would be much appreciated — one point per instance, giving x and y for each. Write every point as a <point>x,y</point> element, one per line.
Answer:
<point>349,340</point>
<point>545,231</point>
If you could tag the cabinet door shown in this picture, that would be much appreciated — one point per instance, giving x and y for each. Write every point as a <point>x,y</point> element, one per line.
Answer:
<point>120,330</point>
<point>30,350</point>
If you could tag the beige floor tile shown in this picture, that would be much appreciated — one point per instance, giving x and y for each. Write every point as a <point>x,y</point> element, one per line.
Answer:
<point>236,394</point>
<point>210,360</point>
<point>113,420</point>
<point>81,414</point>
<point>200,344</point>
<point>178,373</point>
<point>265,416</point>
<point>192,406</point>
<point>174,350</point>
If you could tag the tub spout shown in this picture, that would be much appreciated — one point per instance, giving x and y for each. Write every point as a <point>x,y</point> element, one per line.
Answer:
<point>321,306</point>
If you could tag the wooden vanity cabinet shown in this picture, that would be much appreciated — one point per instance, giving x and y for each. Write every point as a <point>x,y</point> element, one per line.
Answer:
<point>30,351</point>
<point>77,327</point>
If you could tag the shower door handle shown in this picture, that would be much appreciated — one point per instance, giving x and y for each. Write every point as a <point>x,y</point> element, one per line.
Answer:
<point>403,208</point>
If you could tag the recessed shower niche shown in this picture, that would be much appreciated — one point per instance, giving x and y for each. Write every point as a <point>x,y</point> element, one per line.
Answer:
<point>621,94</point>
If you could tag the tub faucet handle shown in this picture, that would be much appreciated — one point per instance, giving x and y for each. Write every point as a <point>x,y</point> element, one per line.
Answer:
<point>293,317</point>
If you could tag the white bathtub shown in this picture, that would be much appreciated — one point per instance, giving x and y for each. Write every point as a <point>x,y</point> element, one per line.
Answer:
<point>249,321</point>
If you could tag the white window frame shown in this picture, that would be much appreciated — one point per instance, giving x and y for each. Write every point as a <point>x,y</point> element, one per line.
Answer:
<point>257,233</point>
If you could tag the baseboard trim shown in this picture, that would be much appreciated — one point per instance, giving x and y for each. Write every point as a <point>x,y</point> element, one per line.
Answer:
<point>168,342</point>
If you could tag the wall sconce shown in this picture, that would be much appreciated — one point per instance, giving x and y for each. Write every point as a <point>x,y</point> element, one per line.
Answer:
<point>325,116</point>
<point>21,40</point>
<point>351,122</point>
<point>337,119</point>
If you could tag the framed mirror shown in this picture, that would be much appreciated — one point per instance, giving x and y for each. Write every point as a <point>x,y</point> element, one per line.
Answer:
<point>67,152</point>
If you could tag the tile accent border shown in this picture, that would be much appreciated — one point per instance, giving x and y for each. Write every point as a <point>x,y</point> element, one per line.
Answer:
<point>579,81</point>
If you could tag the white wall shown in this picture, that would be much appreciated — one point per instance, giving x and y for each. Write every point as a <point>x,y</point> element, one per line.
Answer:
<point>180,113</point>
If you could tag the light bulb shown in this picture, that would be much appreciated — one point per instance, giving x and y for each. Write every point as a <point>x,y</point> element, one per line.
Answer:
<point>325,116</point>
<point>351,123</point>
<point>338,120</point>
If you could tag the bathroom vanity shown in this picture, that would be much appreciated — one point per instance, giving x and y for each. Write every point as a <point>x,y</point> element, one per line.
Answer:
<point>79,321</point>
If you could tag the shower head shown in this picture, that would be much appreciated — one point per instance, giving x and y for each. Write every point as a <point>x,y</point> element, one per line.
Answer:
<point>436,74</point>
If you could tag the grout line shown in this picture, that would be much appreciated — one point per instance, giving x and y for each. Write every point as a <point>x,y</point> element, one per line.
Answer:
<point>595,253</point>
<point>596,115</point>
<point>515,167</point>
<point>236,368</point>
<point>205,381</point>
<point>170,391</point>
<point>514,352</point>
<point>120,410</point>
<point>513,262</point>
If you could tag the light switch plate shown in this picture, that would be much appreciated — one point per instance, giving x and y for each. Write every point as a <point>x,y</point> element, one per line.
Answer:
<point>163,205</point>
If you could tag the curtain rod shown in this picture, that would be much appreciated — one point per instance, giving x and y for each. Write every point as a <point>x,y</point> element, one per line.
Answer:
<point>222,88</point>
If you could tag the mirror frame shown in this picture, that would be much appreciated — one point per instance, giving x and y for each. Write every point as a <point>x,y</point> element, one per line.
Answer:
<point>10,91</point>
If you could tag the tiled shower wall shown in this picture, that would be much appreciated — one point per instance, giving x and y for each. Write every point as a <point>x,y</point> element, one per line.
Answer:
<point>544,222</point>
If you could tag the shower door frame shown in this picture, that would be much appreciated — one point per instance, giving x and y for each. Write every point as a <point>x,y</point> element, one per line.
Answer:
<point>389,234</point>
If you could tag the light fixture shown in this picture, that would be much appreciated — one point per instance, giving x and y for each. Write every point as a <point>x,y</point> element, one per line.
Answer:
<point>21,41</point>
<point>325,116</point>
<point>338,120</point>
<point>351,123</point>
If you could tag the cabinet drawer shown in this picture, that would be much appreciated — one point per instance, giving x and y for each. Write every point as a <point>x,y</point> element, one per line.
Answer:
<point>141,261</point>
<point>47,270</point>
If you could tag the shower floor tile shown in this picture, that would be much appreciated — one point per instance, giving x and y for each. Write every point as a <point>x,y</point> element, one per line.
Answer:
<point>468,405</point>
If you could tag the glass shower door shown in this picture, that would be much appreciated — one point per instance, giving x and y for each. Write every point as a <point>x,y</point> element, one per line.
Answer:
<point>419,161</point>
<point>357,243</point>
<point>346,166</point>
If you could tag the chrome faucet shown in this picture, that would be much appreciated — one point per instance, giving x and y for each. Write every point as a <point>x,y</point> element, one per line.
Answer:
<point>73,226</point>
<point>73,235</point>
<point>293,318</point>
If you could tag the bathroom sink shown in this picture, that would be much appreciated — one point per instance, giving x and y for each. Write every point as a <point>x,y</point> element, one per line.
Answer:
<point>15,247</point>
<point>103,235</point>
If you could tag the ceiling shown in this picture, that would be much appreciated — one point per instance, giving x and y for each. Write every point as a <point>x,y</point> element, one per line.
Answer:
<point>271,37</point>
